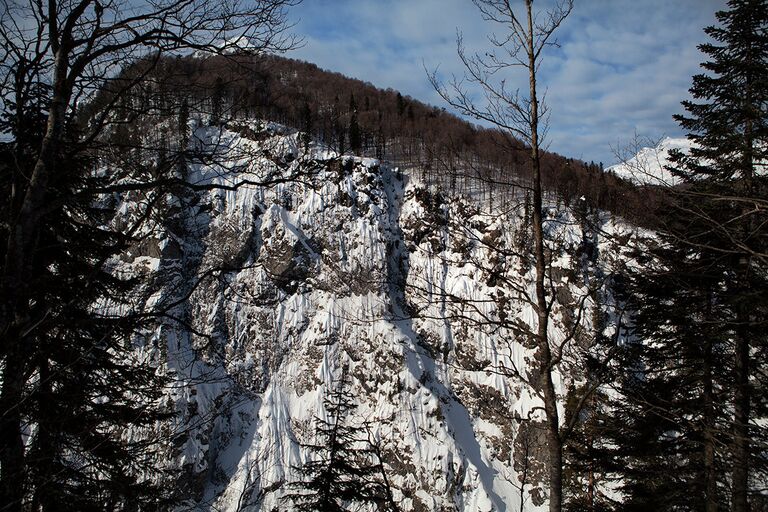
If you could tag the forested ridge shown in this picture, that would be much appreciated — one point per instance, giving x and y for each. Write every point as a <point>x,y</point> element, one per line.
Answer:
<point>350,115</point>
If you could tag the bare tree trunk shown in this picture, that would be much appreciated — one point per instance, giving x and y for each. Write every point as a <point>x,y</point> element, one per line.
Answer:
<point>740,448</point>
<point>710,475</point>
<point>519,117</point>
<point>12,447</point>
<point>554,445</point>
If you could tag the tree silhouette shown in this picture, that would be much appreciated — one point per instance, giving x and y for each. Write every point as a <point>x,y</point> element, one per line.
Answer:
<point>346,469</point>
<point>77,407</point>
<point>700,299</point>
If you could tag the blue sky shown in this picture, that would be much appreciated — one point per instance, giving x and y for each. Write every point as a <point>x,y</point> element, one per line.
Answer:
<point>622,68</point>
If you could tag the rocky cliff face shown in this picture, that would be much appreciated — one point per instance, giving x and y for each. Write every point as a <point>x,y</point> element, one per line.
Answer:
<point>346,263</point>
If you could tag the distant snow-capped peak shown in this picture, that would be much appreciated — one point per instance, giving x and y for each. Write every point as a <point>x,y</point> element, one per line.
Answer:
<point>648,166</point>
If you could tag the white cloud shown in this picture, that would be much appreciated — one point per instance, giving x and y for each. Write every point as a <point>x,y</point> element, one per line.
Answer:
<point>623,65</point>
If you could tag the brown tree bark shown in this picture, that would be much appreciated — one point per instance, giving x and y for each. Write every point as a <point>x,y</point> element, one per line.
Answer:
<point>741,406</point>
<point>554,442</point>
<point>710,474</point>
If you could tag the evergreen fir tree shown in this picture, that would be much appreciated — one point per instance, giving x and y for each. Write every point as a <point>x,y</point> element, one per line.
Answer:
<point>701,299</point>
<point>728,120</point>
<point>217,101</point>
<point>355,137</point>
<point>78,401</point>
<point>183,123</point>
<point>346,470</point>
<point>306,128</point>
<point>340,135</point>
<point>586,479</point>
<point>667,425</point>
<point>90,408</point>
<point>400,105</point>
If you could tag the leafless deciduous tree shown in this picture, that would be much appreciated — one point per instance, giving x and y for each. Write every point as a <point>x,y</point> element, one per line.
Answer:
<point>525,36</point>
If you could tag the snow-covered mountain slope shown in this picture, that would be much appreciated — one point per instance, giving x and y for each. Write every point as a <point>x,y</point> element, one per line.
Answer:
<point>648,166</point>
<point>317,262</point>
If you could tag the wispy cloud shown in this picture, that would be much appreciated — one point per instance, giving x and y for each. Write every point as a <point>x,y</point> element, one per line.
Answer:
<point>623,66</point>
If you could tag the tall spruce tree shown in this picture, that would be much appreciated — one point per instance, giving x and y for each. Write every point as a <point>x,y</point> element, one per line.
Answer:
<point>355,135</point>
<point>667,425</point>
<point>701,300</point>
<point>306,126</point>
<point>728,120</point>
<point>217,100</point>
<point>86,390</point>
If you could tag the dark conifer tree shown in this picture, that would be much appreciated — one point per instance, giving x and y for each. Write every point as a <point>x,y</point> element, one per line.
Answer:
<point>346,470</point>
<point>217,100</point>
<point>586,478</point>
<point>88,391</point>
<point>400,105</point>
<point>78,400</point>
<point>340,134</point>
<point>701,298</point>
<point>355,137</point>
<point>306,126</point>
<point>183,121</point>
<point>668,426</point>
<point>728,119</point>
